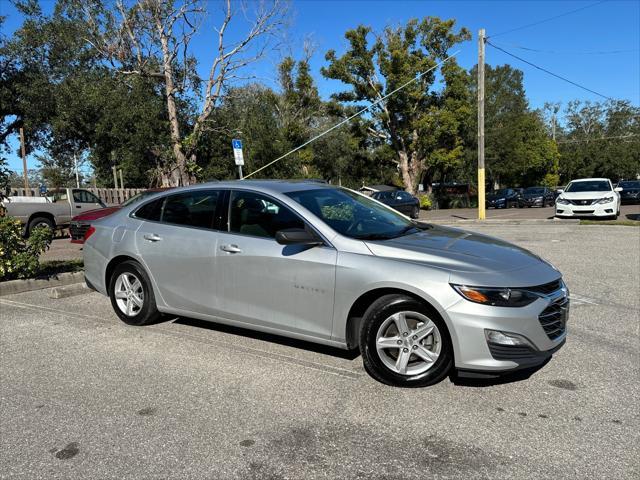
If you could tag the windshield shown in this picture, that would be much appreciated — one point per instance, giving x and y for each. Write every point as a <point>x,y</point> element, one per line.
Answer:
<point>533,191</point>
<point>629,184</point>
<point>353,215</point>
<point>589,186</point>
<point>138,197</point>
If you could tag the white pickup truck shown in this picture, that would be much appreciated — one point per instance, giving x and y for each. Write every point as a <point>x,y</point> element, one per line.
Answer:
<point>55,210</point>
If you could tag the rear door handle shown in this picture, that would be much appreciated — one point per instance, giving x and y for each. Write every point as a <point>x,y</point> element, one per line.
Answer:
<point>152,237</point>
<point>230,248</point>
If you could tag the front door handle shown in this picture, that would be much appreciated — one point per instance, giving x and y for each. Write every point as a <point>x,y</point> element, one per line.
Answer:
<point>152,237</point>
<point>230,248</point>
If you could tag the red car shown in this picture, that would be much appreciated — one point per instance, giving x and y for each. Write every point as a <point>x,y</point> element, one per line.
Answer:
<point>81,223</point>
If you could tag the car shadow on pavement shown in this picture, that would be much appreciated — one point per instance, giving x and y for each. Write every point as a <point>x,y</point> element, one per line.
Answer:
<point>633,216</point>
<point>268,337</point>
<point>463,380</point>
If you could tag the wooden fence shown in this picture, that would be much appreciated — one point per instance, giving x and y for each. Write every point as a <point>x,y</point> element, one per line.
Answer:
<point>110,196</point>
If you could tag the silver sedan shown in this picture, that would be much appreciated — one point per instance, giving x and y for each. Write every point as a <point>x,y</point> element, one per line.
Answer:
<point>328,265</point>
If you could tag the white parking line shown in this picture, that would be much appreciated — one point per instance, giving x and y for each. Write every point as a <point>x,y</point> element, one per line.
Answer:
<point>279,357</point>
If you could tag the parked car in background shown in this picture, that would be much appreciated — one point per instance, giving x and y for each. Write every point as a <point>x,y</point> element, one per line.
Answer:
<point>55,210</point>
<point>81,223</point>
<point>505,198</point>
<point>400,200</point>
<point>591,197</point>
<point>630,191</point>
<point>536,197</point>
<point>328,265</point>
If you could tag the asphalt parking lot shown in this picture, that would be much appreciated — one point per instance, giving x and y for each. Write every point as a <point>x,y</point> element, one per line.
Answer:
<point>85,396</point>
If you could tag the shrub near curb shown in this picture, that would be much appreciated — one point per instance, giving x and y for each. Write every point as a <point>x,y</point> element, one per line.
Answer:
<point>19,257</point>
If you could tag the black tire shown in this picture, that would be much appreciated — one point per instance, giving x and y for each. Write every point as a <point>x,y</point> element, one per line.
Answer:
<point>373,319</point>
<point>416,212</point>
<point>146,314</point>
<point>40,222</point>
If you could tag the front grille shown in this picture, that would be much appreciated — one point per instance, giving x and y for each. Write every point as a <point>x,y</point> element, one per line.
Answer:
<point>77,230</point>
<point>546,288</point>
<point>584,202</point>
<point>554,318</point>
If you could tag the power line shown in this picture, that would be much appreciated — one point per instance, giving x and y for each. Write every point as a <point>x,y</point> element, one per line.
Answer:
<point>555,52</point>
<point>599,138</point>
<point>548,19</point>
<point>418,76</point>
<point>549,72</point>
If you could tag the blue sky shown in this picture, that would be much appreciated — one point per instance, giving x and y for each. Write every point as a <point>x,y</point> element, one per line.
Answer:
<point>567,44</point>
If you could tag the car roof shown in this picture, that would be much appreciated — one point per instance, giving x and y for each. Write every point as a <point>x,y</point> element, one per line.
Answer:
<point>270,186</point>
<point>589,180</point>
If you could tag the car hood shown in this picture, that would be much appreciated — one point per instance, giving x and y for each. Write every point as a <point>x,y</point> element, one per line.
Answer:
<point>95,214</point>
<point>533,195</point>
<point>456,250</point>
<point>496,197</point>
<point>585,195</point>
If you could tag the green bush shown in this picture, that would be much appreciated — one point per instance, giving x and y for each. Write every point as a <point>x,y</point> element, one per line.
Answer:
<point>19,257</point>
<point>426,202</point>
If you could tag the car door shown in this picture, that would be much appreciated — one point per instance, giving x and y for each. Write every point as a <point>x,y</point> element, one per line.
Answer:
<point>83,201</point>
<point>177,242</point>
<point>264,283</point>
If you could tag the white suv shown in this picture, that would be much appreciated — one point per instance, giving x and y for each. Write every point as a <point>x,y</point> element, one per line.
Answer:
<point>589,197</point>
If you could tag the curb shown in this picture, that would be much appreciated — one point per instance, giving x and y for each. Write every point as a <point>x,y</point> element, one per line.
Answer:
<point>30,284</point>
<point>69,290</point>
<point>501,221</point>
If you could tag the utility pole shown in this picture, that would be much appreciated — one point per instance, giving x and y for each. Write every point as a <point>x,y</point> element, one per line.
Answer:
<point>24,164</point>
<point>481,193</point>
<point>75,165</point>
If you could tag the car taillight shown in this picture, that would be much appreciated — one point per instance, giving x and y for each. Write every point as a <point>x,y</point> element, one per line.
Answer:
<point>89,232</point>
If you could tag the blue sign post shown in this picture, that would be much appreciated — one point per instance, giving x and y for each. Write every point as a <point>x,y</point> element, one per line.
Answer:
<point>237,154</point>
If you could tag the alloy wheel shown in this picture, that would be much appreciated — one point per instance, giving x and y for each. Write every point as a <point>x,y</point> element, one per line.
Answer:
<point>408,343</point>
<point>129,294</point>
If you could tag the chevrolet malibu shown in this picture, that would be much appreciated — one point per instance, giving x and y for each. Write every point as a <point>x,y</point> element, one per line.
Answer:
<point>328,265</point>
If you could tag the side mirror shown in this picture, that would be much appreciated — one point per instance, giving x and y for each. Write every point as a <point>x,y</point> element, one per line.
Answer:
<point>297,236</point>
<point>618,189</point>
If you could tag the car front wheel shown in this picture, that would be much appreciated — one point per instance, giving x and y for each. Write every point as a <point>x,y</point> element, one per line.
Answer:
<point>404,343</point>
<point>132,295</point>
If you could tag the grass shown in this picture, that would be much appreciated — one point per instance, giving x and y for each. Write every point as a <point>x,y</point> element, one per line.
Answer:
<point>624,223</point>
<point>53,267</point>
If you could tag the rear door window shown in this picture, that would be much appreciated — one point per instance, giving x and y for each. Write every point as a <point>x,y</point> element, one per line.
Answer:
<point>196,208</point>
<point>150,211</point>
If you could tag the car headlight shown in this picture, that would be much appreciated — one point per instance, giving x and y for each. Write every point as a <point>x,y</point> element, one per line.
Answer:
<point>605,200</point>
<point>497,297</point>
<point>562,201</point>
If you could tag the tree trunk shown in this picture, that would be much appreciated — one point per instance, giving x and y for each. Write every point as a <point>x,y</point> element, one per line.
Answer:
<point>410,170</point>
<point>177,175</point>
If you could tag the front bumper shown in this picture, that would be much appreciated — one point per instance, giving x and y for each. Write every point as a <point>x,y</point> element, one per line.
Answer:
<point>496,203</point>
<point>536,323</point>
<point>530,202</point>
<point>597,210</point>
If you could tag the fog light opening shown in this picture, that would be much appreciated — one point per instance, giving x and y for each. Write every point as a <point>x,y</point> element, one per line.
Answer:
<point>508,339</point>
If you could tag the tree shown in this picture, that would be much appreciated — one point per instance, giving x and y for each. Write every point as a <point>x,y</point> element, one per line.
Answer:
<point>408,119</point>
<point>518,148</point>
<point>600,139</point>
<point>151,38</point>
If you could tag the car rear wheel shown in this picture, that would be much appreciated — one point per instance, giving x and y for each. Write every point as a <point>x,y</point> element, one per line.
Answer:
<point>40,222</point>
<point>416,212</point>
<point>404,343</point>
<point>132,295</point>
